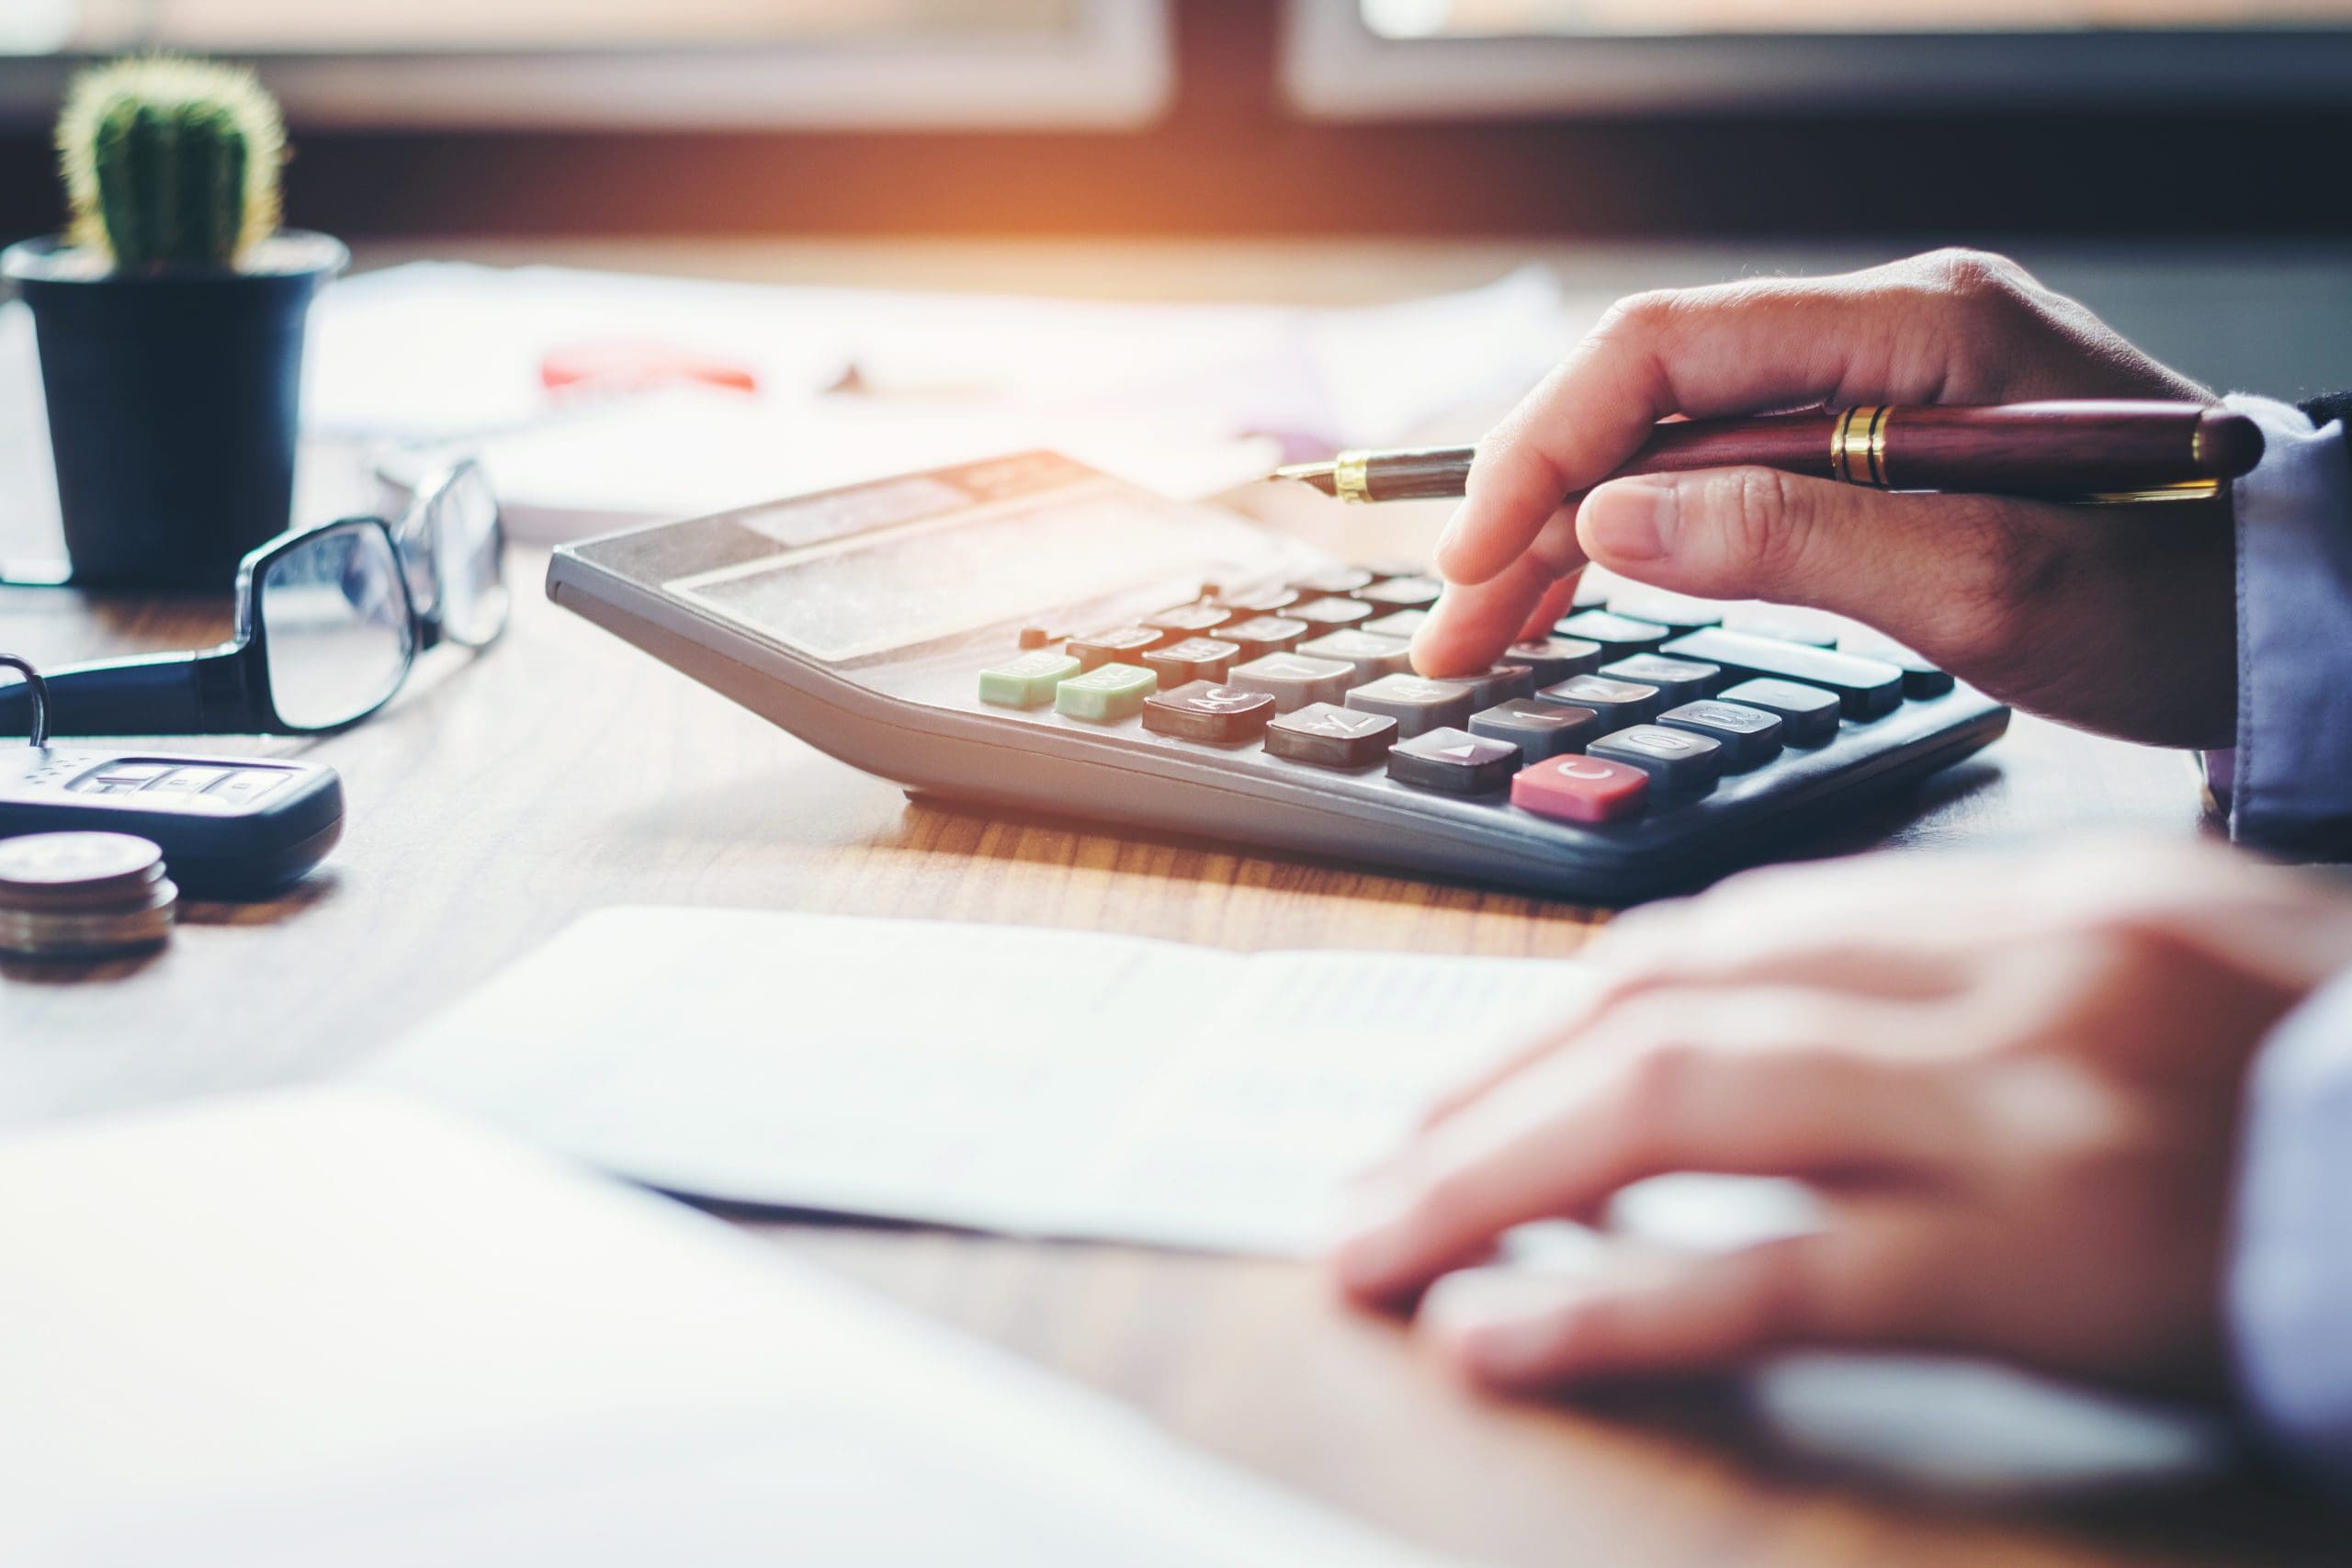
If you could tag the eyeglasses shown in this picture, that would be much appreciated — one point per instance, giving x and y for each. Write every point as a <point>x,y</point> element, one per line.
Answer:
<point>330,620</point>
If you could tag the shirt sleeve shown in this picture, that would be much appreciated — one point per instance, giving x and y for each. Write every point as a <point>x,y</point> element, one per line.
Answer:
<point>2290,780</point>
<point>2290,1285</point>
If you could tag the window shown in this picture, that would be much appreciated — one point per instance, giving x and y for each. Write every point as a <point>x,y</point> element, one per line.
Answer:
<point>1381,59</point>
<point>889,63</point>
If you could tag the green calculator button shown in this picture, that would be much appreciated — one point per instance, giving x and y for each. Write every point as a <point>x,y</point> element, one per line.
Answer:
<point>1027,681</point>
<point>1105,693</point>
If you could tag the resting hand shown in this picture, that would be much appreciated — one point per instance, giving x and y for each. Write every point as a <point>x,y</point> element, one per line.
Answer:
<point>2121,620</point>
<point>2014,1083</point>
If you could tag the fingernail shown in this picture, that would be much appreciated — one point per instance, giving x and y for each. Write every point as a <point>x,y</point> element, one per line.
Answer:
<point>1449,535</point>
<point>1372,1233</point>
<point>1504,1326</point>
<point>1631,520</point>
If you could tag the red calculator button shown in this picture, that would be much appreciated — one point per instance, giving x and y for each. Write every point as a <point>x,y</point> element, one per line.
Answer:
<point>1581,789</point>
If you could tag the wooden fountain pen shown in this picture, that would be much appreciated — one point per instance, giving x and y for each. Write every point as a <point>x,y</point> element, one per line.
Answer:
<point>2106,453</point>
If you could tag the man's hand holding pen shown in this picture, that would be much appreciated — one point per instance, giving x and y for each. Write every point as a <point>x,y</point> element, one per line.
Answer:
<point>2108,618</point>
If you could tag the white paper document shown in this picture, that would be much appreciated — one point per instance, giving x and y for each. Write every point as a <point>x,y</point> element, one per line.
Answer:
<point>1017,1080</point>
<point>334,1328</point>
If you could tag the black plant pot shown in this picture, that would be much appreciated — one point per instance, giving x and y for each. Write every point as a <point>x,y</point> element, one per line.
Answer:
<point>173,402</point>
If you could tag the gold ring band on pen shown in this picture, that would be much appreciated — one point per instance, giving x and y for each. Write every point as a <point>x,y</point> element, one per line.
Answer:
<point>1857,447</point>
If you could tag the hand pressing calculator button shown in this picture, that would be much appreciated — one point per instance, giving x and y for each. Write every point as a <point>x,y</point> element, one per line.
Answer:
<point>1371,655</point>
<point>1206,711</point>
<point>1676,680</point>
<point>1453,761</point>
<point>1538,730</point>
<point>1027,681</point>
<point>1749,737</point>
<point>1332,736</point>
<point>1808,714</point>
<point>1262,635</point>
<point>1121,645</point>
<point>1581,789</point>
<point>1554,659</point>
<point>1294,680</point>
<point>1417,703</point>
<point>1617,635</point>
<point>1674,758</point>
<point>1105,694</point>
<point>1195,658</point>
<point>1619,703</point>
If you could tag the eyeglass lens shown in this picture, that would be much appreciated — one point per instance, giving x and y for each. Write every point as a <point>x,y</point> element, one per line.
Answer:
<point>469,579</point>
<point>336,627</point>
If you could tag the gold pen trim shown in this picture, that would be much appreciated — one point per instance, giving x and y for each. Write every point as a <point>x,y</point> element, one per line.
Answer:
<point>1857,447</point>
<point>1350,481</point>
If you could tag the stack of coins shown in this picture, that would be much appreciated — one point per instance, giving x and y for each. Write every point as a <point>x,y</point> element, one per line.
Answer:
<point>82,895</point>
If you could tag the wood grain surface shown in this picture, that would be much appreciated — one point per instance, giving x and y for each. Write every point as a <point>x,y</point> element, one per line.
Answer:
<point>500,795</point>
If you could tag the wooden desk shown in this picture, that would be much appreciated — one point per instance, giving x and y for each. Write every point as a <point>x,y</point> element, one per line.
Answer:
<point>500,796</point>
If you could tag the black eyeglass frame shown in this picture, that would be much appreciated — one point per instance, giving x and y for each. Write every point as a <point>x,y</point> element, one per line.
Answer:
<point>226,690</point>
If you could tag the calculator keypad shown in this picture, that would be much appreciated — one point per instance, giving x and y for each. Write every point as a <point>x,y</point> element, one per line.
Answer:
<point>1644,706</point>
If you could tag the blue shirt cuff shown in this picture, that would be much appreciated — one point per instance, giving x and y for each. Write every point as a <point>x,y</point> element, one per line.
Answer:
<point>2291,779</point>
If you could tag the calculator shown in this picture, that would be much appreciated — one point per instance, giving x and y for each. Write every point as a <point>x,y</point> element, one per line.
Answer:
<point>1027,632</point>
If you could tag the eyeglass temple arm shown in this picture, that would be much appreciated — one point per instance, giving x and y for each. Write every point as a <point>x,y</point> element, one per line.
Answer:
<point>169,694</point>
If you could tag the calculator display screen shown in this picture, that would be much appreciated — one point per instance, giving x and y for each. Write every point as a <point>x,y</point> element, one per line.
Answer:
<point>941,576</point>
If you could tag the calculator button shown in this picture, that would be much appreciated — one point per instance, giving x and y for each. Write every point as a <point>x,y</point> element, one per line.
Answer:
<point>1867,687</point>
<point>1027,681</point>
<point>1185,620</point>
<point>1749,737</point>
<point>1206,711</point>
<point>1373,656</point>
<point>1920,679</point>
<point>247,784</point>
<point>1619,703</point>
<point>91,784</point>
<point>1121,645</point>
<point>186,781</point>
<point>1106,692</point>
<point>1259,601</point>
<point>1453,761</point>
<point>1674,758</point>
<point>1332,736</point>
<point>1617,635</point>
<point>1330,612</point>
<point>1554,659</point>
<point>1403,623</point>
<point>1294,680</point>
<point>1335,580</point>
<point>133,772</point>
<point>1195,658</point>
<point>1593,590</point>
<point>1676,680</point>
<point>1033,637</point>
<point>1674,612</point>
<point>1417,703</point>
<point>1499,683</point>
<point>1784,623</point>
<point>1808,714</point>
<point>1538,730</point>
<point>1262,635</point>
<point>1581,789</point>
<point>1414,592</point>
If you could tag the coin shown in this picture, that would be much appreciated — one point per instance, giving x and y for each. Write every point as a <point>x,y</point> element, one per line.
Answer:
<point>48,859</point>
<point>83,894</point>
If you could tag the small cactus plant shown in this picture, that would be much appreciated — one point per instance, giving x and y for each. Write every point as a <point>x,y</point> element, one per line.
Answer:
<point>170,162</point>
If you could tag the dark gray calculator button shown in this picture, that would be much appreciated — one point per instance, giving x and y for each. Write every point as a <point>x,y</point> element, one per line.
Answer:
<point>248,784</point>
<point>1784,623</point>
<point>1404,624</point>
<point>1189,619</point>
<point>1120,645</point>
<point>1373,655</point>
<point>1500,684</point>
<point>1808,714</point>
<point>1453,761</point>
<point>1332,613</point>
<point>1554,659</point>
<point>186,781</point>
<point>1332,736</point>
<point>1262,635</point>
<point>1259,601</point>
<point>1674,758</point>
<point>1617,635</point>
<point>1619,703</point>
<point>1749,737</point>
<point>1538,730</point>
<point>1676,680</point>
<point>1417,703</point>
<point>1674,612</point>
<point>1335,580</point>
<point>1195,658</point>
<point>1206,711</point>
<point>1920,679</point>
<point>1403,593</point>
<point>1294,680</point>
<point>1867,687</point>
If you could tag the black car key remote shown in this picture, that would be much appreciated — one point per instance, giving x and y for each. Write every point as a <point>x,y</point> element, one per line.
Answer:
<point>229,827</point>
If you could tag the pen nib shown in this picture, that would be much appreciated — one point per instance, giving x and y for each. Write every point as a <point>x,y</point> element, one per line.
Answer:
<point>1316,474</point>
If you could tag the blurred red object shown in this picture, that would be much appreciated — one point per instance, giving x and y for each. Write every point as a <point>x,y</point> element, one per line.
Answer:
<point>638,364</point>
